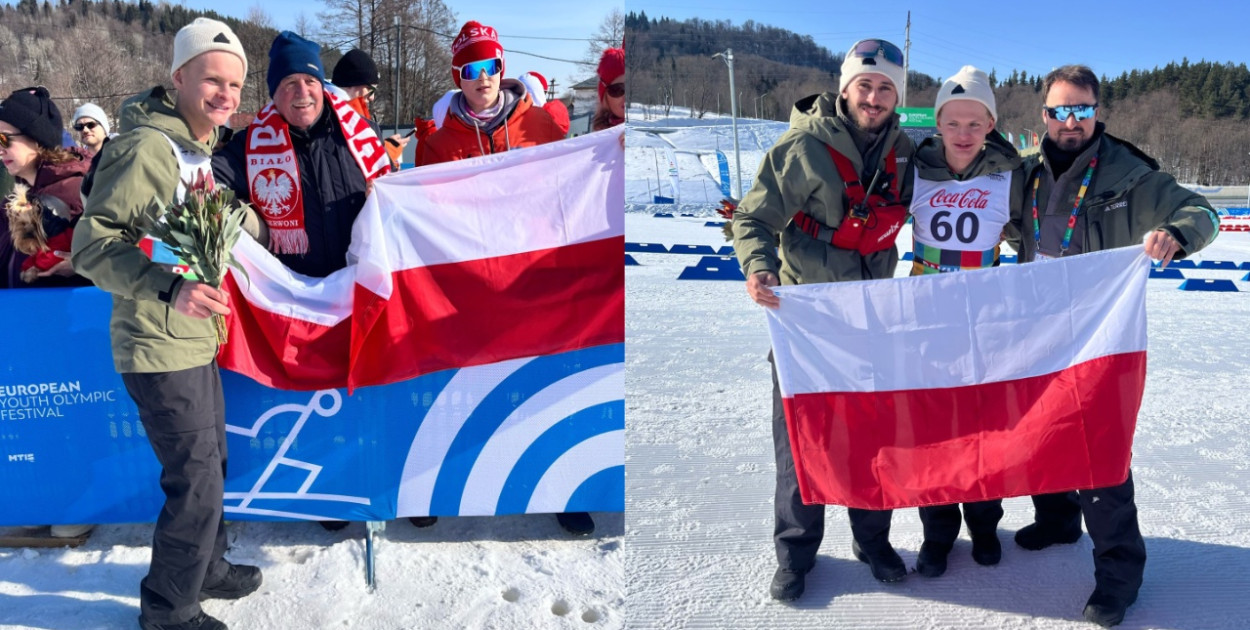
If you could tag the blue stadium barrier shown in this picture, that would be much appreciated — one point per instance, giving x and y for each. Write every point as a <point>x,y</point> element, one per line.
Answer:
<point>1166,274</point>
<point>692,249</point>
<point>908,256</point>
<point>687,214</point>
<point>629,260</point>
<point>663,215</point>
<point>1207,284</point>
<point>718,261</point>
<point>726,250</point>
<point>1245,266</point>
<point>646,248</point>
<point>661,199</point>
<point>1008,259</point>
<point>714,224</point>
<point>1217,264</point>
<point>699,272</point>
<point>1183,264</point>
<point>1246,278</point>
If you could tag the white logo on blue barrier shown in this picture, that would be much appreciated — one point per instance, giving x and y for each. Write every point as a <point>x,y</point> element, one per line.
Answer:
<point>518,436</point>
<point>324,403</point>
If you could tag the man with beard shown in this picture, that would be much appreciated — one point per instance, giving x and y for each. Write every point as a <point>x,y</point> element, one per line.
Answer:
<point>843,151</point>
<point>1092,192</point>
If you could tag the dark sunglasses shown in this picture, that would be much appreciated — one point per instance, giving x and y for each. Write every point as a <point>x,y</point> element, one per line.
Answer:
<point>615,90</point>
<point>472,70</point>
<point>870,48</point>
<point>6,139</point>
<point>1061,113</point>
<point>87,125</point>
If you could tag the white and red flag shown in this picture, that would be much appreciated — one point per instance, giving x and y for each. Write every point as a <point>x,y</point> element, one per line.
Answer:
<point>960,387</point>
<point>453,265</point>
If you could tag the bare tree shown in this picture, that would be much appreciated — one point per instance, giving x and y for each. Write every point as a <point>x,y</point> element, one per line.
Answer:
<point>611,34</point>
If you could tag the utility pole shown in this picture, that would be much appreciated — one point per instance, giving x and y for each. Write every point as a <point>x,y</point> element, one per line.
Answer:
<point>398,39</point>
<point>906,57</point>
<point>551,90</point>
<point>728,57</point>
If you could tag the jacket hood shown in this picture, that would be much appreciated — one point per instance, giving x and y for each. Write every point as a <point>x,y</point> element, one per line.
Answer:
<point>997,156</point>
<point>155,108</point>
<point>50,174</point>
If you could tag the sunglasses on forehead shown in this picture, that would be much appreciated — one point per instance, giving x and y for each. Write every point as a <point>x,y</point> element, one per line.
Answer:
<point>615,90</point>
<point>6,139</point>
<point>87,125</point>
<point>1061,112</point>
<point>474,69</point>
<point>870,48</point>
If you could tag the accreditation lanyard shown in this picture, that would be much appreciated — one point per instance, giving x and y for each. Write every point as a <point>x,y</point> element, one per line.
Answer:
<point>1076,207</point>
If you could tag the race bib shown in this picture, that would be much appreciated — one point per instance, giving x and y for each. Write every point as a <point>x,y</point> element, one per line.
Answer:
<point>961,216</point>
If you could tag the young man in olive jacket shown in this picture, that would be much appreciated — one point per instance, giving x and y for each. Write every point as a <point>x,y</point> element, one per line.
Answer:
<point>164,341</point>
<point>1126,201</point>
<point>798,193</point>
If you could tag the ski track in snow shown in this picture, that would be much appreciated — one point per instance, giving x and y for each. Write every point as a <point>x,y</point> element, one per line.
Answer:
<point>700,467</point>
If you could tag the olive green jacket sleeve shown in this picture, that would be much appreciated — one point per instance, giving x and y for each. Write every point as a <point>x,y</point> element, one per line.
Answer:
<point>135,170</point>
<point>783,185</point>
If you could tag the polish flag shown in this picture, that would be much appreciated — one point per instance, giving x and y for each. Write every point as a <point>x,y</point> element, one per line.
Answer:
<point>961,387</point>
<point>452,265</point>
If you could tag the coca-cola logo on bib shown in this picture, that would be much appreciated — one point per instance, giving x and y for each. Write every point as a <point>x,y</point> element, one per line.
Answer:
<point>974,198</point>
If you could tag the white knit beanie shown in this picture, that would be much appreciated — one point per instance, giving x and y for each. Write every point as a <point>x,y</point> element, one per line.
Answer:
<point>94,112</point>
<point>205,35</point>
<point>969,84</point>
<point>855,65</point>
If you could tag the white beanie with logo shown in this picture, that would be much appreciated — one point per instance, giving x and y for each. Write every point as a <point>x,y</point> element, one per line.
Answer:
<point>205,35</point>
<point>969,84</point>
<point>855,65</point>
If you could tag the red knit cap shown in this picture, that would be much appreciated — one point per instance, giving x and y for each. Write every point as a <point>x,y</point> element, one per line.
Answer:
<point>474,43</point>
<point>611,67</point>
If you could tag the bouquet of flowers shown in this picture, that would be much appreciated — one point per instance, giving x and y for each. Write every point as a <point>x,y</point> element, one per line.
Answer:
<point>201,231</point>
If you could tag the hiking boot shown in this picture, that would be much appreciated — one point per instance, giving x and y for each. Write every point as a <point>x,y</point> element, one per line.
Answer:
<point>1036,536</point>
<point>239,580</point>
<point>576,523</point>
<point>198,622</point>
<point>1105,609</point>
<point>986,550</point>
<point>885,564</point>
<point>787,585</point>
<point>932,559</point>
<point>423,521</point>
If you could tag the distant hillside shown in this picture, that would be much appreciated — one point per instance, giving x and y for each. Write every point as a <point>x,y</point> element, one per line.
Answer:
<point>1192,117</point>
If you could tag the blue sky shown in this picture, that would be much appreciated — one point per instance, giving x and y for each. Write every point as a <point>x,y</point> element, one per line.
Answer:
<point>551,18</point>
<point>1033,36</point>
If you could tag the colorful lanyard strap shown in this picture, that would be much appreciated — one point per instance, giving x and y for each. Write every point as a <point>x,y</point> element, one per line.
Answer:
<point>1076,207</point>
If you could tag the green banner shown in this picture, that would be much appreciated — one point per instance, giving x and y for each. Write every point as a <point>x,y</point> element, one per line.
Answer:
<point>916,117</point>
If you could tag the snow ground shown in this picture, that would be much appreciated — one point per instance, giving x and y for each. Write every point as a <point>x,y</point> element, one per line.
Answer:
<point>699,464</point>
<point>468,572</point>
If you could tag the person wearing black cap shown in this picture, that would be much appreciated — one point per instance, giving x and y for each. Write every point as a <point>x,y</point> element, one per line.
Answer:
<point>357,76</point>
<point>35,242</point>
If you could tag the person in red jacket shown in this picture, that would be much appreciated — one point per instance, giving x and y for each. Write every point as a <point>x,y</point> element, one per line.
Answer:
<point>491,114</point>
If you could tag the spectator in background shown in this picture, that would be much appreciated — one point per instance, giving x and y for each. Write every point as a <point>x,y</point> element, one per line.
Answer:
<point>356,75</point>
<point>610,110</point>
<point>92,126</point>
<point>39,218</point>
<point>490,114</point>
<point>536,85</point>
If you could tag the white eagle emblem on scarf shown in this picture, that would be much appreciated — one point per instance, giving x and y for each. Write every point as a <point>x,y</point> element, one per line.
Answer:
<point>273,190</point>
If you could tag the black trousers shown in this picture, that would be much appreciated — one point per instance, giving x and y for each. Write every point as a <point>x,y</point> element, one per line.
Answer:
<point>941,522</point>
<point>183,414</point>
<point>800,528</point>
<point>1111,519</point>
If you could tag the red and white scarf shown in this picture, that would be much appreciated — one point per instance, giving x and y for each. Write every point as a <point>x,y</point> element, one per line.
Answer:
<point>273,170</point>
